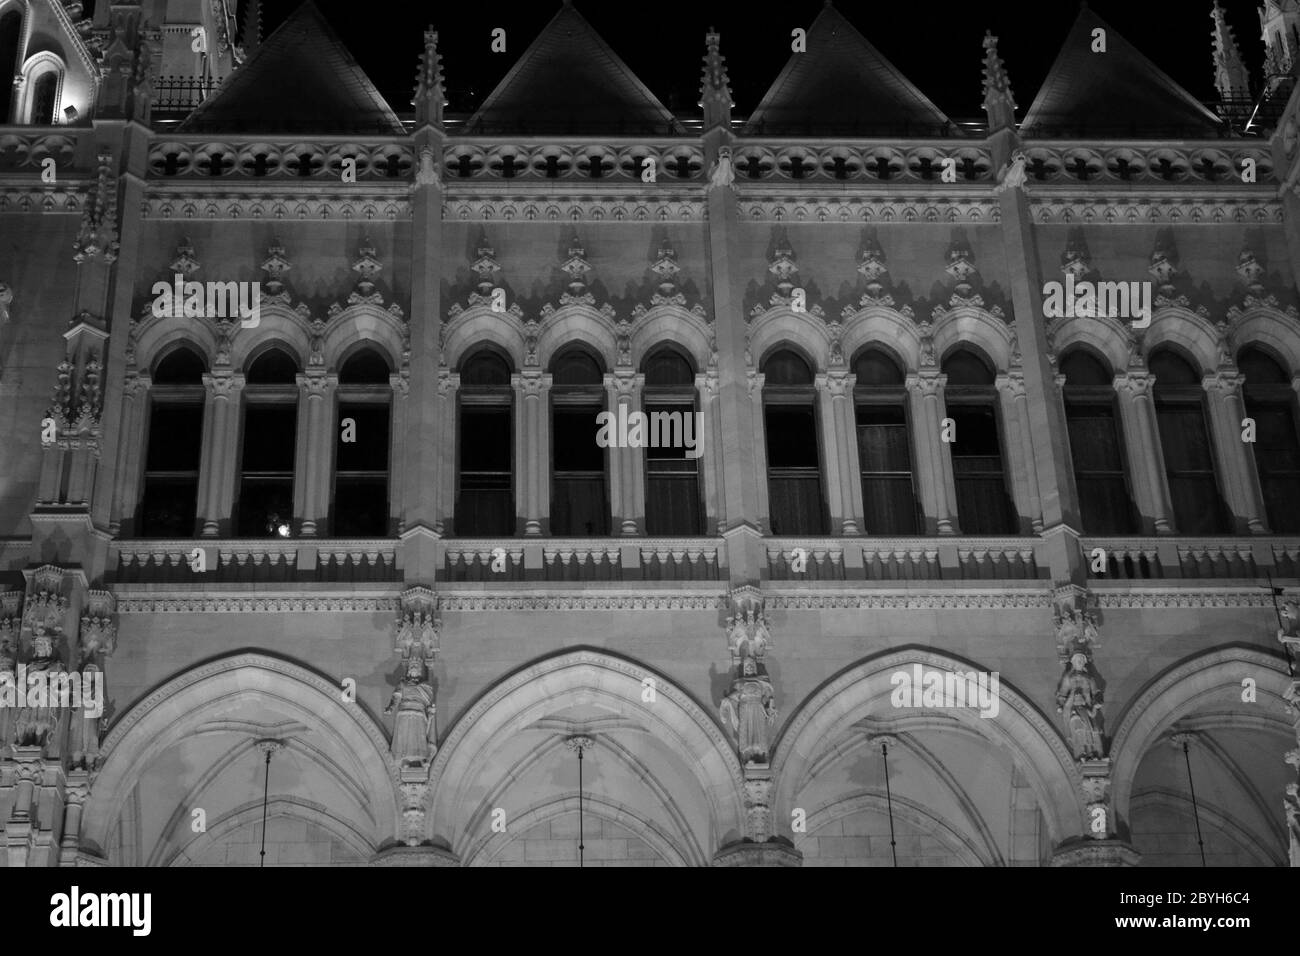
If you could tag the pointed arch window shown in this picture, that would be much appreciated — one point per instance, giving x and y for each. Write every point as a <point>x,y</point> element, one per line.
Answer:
<point>794,484</point>
<point>361,464</point>
<point>889,501</point>
<point>1271,402</point>
<point>11,31</point>
<point>579,475</point>
<point>169,505</point>
<point>978,463</point>
<point>45,94</point>
<point>1185,440</point>
<point>1096,448</point>
<point>672,503</point>
<point>485,498</point>
<point>269,447</point>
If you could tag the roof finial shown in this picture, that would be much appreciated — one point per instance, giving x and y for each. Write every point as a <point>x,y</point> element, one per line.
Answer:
<point>429,100</point>
<point>1231,78</point>
<point>252,37</point>
<point>715,93</point>
<point>999,102</point>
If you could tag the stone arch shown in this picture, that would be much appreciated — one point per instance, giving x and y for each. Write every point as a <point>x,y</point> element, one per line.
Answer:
<point>1271,329</point>
<point>155,336</point>
<point>36,66</point>
<point>782,326</point>
<point>519,724</point>
<point>670,323</point>
<point>1104,336</point>
<point>279,324</point>
<point>887,329</point>
<point>1186,330</point>
<point>276,808</point>
<point>961,846</point>
<point>477,325</point>
<point>1181,690</point>
<point>863,690</point>
<point>213,700</point>
<point>967,325</point>
<point>377,327</point>
<point>577,323</point>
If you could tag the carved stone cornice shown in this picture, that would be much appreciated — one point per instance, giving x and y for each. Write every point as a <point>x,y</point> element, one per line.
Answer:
<point>276,205</point>
<point>629,208</point>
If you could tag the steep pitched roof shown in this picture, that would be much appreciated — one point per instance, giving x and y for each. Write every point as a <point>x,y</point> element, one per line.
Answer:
<point>842,82</point>
<point>569,80</point>
<point>1118,91</point>
<point>301,77</point>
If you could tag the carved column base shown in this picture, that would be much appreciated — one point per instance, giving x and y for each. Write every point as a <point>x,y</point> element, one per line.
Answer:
<point>427,854</point>
<point>772,853</point>
<point>1085,852</point>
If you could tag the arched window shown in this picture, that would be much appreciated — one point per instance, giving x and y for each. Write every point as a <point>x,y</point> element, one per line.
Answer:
<point>11,31</point>
<point>889,500</point>
<point>175,445</point>
<point>45,89</point>
<point>983,504</point>
<point>1096,449</point>
<point>361,447</point>
<point>1271,402</point>
<point>485,499</point>
<point>672,502</point>
<point>794,484</point>
<point>268,453</point>
<point>1185,440</point>
<point>579,480</point>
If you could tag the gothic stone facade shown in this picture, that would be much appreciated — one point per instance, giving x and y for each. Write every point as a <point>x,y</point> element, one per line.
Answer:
<point>424,633</point>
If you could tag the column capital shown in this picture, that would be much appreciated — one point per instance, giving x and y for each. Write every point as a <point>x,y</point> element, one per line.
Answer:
<point>531,382</point>
<point>1135,382</point>
<point>316,382</point>
<point>1011,383</point>
<point>1227,381</point>
<point>927,381</point>
<point>623,384</point>
<point>223,384</point>
<point>837,382</point>
<point>448,382</point>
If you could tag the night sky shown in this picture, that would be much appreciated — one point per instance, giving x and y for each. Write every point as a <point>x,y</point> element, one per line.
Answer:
<point>936,43</point>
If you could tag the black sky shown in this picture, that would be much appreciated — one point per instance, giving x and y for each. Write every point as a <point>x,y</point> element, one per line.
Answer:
<point>936,43</point>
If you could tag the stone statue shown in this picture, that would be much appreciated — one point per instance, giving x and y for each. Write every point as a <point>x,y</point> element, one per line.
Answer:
<point>427,174</point>
<point>1015,176</point>
<point>723,172</point>
<point>36,722</point>
<point>8,695</point>
<point>83,732</point>
<point>1078,699</point>
<point>1290,629</point>
<point>413,727</point>
<point>1291,804</point>
<point>749,712</point>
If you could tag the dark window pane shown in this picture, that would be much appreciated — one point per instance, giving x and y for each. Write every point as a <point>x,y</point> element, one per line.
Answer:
<point>672,479</point>
<point>485,508</point>
<point>578,507</point>
<point>573,440</point>
<point>269,436</point>
<point>791,436</point>
<point>259,500</point>
<point>486,438</point>
<point>169,507</point>
<point>1104,501</point>
<point>795,503</point>
<point>883,441</point>
<point>1172,370</point>
<point>180,367</point>
<point>889,505</point>
<point>361,507</point>
<point>667,367</point>
<point>369,452</point>
<point>885,460</point>
<point>1189,466</point>
<point>1277,459</point>
<point>983,505</point>
<point>966,368</point>
<point>875,369</point>
<point>576,367</point>
<point>484,369</point>
<point>786,368</point>
<point>175,438</point>
<point>273,367</point>
<point>1082,370</point>
<point>1260,369</point>
<point>366,367</point>
<point>977,434</point>
<point>1094,441</point>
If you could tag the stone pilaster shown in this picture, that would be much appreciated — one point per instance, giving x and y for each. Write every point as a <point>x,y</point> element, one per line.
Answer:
<point>1236,465</point>
<point>934,474</point>
<point>835,395</point>
<point>1289,636</point>
<point>1142,442</point>
<point>314,466</point>
<point>217,461</point>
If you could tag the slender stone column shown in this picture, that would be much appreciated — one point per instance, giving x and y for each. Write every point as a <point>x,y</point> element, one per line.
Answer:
<point>446,435</point>
<point>621,390</point>
<point>217,467</point>
<point>130,452</point>
<point>401,386</point>
<point>933,456</point>
<point>316,391</point>
<point>1235,461</point>
<point>1015,413</point>
<point>835,392</point>
<point>534,389</point>
<point>1142,441</point>
<point>710,462</point>
<point>759,432</point>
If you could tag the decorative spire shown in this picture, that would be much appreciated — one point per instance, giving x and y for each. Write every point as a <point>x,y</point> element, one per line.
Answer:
<point>999,102</point>
<point>715,94</point>
<point>429,99</point>
<point>251,37</point>
<point>1231,78</point>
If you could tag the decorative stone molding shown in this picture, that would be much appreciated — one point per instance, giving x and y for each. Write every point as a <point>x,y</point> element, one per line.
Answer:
<point>932,599</point>
<point>258,161</point>
<point>1096,209</point>
<point>1096,853</point>
<point>257,603</point>
<point>771,853</point>
<point>355,204</point>
<point>575,209</point>
<point>873,209</point>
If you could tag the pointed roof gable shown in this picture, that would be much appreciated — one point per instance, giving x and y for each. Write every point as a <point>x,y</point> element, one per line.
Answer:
<point>301,77</point>
<point>569,80</point>
<point>1119,90</point>
<point>842,82</point>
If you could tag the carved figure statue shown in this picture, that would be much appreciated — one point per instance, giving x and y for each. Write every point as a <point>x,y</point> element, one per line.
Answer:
<point>749,712</point>
<point>1078,699</point>
<point>1015,175</point>
<point>1291,804</point>
<point>36,722</point>
<point>722,172</point>
<point>1290,628</point>
<point>8,662</point>
<point>413,727</point>
<point>83,731</point>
